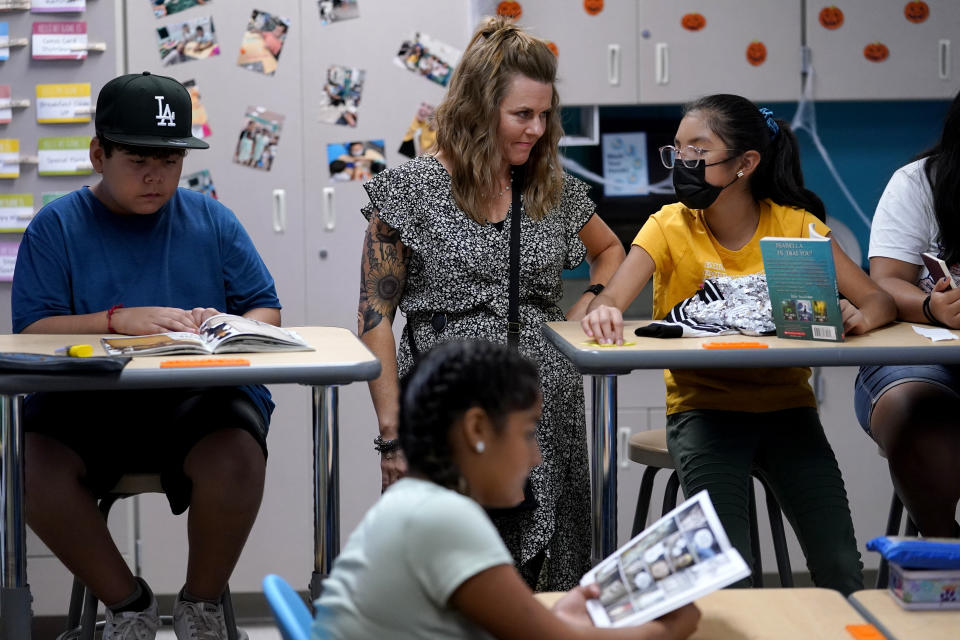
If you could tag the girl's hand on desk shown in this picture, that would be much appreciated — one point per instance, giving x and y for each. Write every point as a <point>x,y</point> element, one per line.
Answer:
<point>139,321</point>
<point>604,324</point>
<point>200,315</point>
<point>853,321</point>
<point>945,304</point>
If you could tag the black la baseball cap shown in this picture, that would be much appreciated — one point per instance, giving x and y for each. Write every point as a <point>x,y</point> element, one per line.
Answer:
<point>144,110</point>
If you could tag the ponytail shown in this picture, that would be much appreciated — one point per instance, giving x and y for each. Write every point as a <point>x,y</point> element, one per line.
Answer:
<point>744,127</point>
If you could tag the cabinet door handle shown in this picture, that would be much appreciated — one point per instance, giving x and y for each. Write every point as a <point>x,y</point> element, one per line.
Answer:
<point>279,210</point>
<point>613,64</point>
<point>329,211</point>
<point>623,445</point>
<point>662,63</point>
<point>944,51</point>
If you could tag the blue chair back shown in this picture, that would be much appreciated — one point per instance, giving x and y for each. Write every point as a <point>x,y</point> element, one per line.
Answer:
<point>293,616</point>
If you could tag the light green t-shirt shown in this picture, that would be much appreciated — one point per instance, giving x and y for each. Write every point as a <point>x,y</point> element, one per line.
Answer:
<point>412,550</point>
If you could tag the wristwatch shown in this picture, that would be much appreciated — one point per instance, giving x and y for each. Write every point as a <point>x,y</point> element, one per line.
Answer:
<point>595,289</point>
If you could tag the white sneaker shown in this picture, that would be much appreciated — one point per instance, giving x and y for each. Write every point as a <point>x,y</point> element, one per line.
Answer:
<point>132,625</point>
<point>200,621</point>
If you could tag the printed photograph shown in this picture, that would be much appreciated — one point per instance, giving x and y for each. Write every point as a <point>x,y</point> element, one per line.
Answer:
<point>337,10</point>
<point>789,309</point>
<point>166,7</point>
<point>257,144</point>
<point>201,128</point>
<point>428,58</point>
<point>357,160</point>
<point>190,40</point>
<point>262,42</point>
<point>200,182</point>
<point>804,311</point>
<point>421,135</point>
<point>341,95</point>
<point>819,310</point>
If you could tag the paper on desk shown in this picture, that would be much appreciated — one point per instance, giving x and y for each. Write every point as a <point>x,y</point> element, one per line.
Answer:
<point>935,334</point>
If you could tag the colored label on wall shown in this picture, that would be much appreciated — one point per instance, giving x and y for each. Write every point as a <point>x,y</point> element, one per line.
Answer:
<point>8,259</point>
<point>63,103</point>
<point>16,211</point>
<point>9,158</point>
<point>68,156</point>
<point>59,40</point>
<point>58,6</point>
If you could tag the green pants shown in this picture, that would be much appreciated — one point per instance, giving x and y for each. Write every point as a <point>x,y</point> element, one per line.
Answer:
<point>717,450</point>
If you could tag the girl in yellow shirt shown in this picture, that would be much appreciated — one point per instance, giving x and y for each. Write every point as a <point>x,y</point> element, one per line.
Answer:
<point>736,170</point>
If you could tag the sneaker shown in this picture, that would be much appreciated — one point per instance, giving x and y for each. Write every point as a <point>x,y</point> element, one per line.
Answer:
<point>132,625</point>
<point>200,621</point>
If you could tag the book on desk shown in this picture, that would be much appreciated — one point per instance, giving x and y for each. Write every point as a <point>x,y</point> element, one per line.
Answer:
<point>222,333</point>
<point>802,281</point>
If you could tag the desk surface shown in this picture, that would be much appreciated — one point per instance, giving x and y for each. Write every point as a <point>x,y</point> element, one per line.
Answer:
<point>760,614</point>
<point>883,611</point>
<point>339,358</point>
<point>894,344</point>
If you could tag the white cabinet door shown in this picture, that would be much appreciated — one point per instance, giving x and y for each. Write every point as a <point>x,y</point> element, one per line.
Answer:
<point>597,54</point>
<point>689,49</point>
<point>910,60</point>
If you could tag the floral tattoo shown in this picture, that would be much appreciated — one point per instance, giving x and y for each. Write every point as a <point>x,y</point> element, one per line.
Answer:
<point>383,274</point>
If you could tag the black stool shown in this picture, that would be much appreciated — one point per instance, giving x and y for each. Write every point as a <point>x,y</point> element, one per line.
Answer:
<point>893,529</point>
<point>649,448</point>
<point>82,616</point>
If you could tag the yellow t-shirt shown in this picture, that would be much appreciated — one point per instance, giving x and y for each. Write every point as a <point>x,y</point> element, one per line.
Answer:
<point>686,253</point>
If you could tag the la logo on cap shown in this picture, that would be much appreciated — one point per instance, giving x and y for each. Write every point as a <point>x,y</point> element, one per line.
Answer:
<point>164,114</point>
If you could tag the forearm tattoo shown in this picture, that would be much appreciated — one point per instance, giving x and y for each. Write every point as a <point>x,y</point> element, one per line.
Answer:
<point>383,274</point>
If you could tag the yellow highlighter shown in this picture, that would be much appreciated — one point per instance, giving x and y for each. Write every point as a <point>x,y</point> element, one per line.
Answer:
<point>76,350</point>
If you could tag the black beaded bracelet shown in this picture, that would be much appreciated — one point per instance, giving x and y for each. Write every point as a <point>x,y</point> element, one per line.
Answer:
<point>928,313</point>
<point>386,446</point>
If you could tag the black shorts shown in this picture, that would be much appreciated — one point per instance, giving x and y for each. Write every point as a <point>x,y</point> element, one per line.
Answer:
<point>142,431</point>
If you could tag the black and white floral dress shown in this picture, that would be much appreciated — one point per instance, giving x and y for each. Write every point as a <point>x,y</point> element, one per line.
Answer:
<point>460,269</point>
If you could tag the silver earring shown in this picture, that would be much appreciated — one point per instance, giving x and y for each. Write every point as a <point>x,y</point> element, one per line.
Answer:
<point>740,173</point>
<point>480,447</point>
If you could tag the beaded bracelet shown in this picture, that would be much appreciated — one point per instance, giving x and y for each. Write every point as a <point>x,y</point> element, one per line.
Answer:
<point>386,446</point>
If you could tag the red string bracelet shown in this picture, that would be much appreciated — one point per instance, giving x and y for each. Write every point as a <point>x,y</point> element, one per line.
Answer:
<point>110,312</point>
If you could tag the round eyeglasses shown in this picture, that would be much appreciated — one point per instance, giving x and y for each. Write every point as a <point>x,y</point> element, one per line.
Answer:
<point>690,156</point>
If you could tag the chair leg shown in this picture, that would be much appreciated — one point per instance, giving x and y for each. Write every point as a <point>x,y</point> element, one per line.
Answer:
<point>643,500</point>
<point>757,576</point>
<point>779,536</point>
<point>226,602</point>
<point>893,528</point>
<point>670,494</point>
<point>76,604</point>
<point>911,528</point>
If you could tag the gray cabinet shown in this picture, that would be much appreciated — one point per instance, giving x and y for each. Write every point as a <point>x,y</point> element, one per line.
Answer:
<point>596,53</point>
<point>876,52</point>
<point>689,49</point>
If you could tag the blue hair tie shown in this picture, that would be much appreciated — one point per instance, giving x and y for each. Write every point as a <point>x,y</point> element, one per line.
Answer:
<point>771,123</point>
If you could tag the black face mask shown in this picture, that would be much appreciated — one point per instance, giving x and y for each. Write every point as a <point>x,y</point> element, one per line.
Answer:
<point>692,187</point>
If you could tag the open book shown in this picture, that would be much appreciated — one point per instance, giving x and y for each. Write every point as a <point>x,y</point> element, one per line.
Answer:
<point>222,333</point>
<point>681,557</point>
<point>802,281</point>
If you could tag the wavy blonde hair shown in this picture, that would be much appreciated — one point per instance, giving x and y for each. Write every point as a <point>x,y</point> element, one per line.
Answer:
<point>468,119</point>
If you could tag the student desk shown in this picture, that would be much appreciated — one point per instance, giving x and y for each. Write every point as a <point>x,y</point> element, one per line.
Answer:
<point>340,358</point>
<point>897,623</point>
<point>759,614</point>
<point>894,344</point>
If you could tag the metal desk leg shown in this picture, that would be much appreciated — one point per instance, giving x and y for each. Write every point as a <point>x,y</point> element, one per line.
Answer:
<point>14,591</point>
<point>326,484</point>
<point>604,467</point>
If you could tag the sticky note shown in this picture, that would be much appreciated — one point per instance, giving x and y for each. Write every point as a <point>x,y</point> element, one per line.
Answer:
<point>63,103</point>
<point>16,210</point>
<point>8,259</point>
<point>9,158</point>
<point>58,6</point>
<point>59,40</point>
<point>865,632</point>
<point>68,156</point>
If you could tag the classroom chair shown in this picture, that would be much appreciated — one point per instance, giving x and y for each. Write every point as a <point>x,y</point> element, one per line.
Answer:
<point>649,448</point>
<point>82,615</point>
<point>293,617</point>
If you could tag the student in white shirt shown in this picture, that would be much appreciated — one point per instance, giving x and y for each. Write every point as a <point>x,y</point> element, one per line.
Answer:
<point>426,561</point>
<point>910,409</point>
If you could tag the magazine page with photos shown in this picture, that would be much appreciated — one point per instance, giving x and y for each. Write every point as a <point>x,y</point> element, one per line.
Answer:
<point>681,557</point>
<point>222,333</point>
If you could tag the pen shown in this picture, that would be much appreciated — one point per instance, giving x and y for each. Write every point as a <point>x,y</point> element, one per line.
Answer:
<point>75,350</point>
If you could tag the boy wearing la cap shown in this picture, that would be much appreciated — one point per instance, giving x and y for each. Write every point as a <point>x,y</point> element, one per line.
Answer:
<point>134,254</point>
